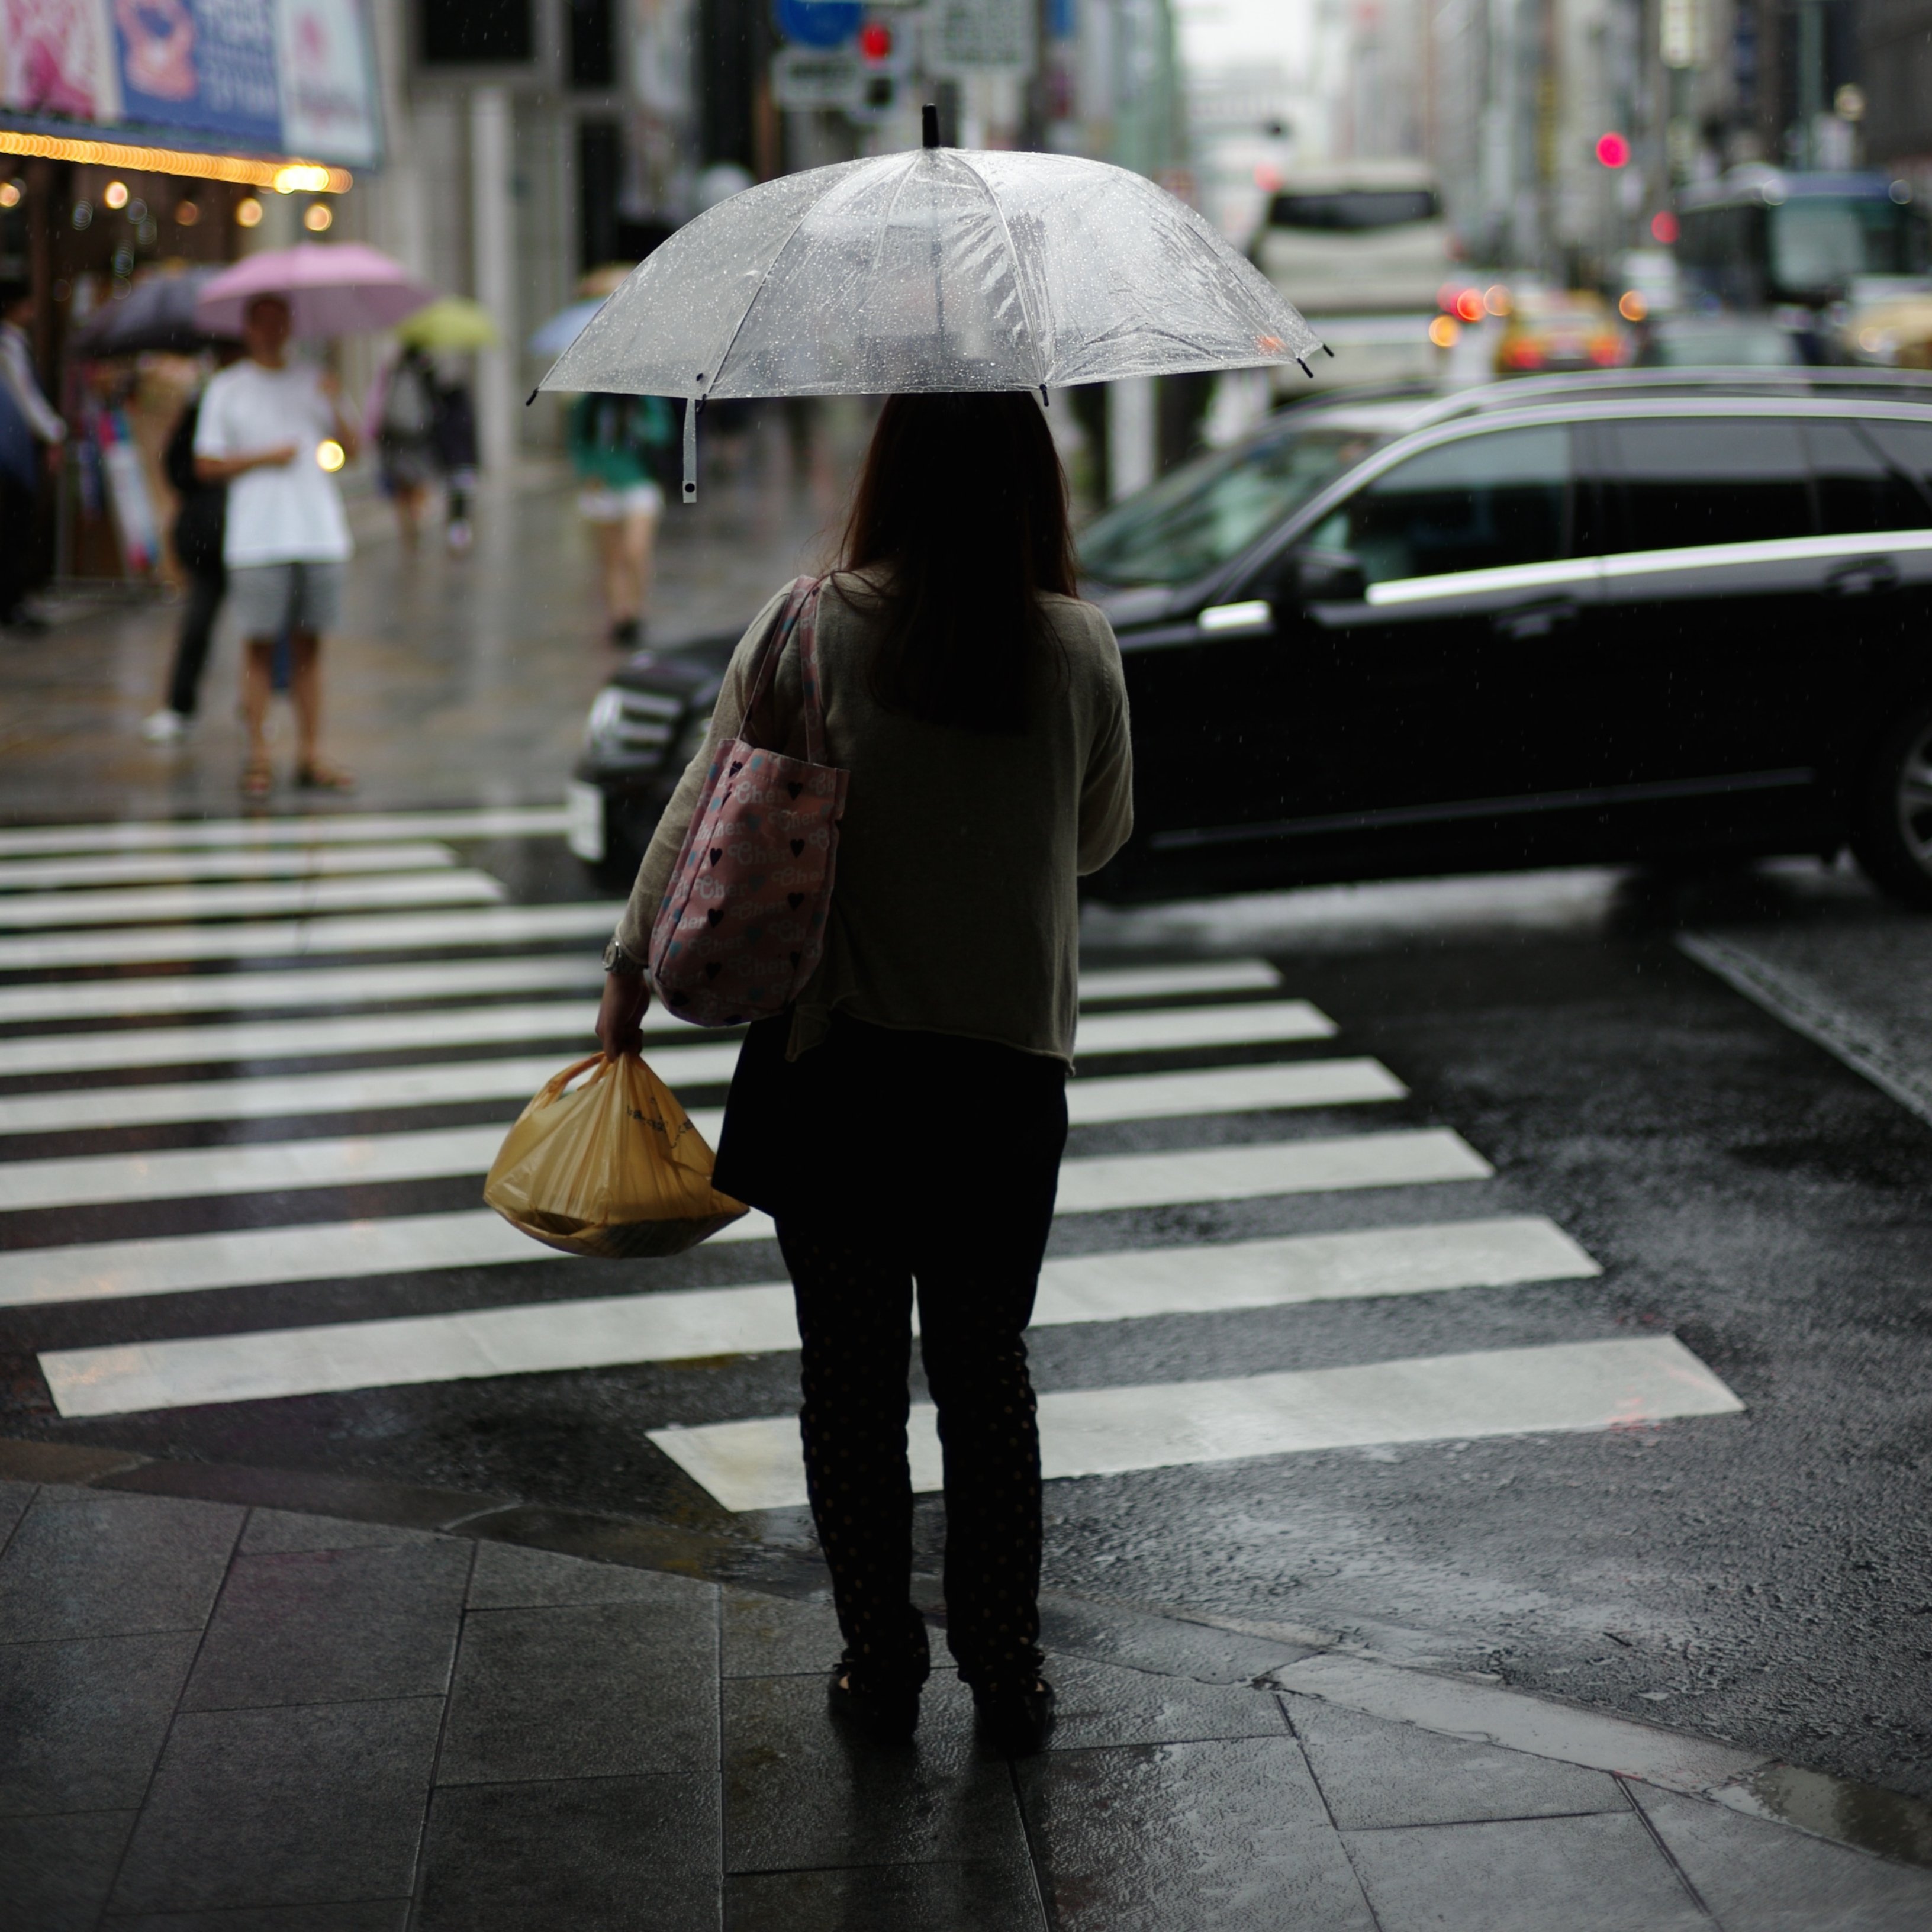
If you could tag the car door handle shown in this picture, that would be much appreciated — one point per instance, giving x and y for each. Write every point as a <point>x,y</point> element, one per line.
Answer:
<point>1541,620</point>
<point>1862,577</point>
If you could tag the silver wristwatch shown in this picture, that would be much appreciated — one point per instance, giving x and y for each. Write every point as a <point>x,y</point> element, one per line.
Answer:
<point>616,960</point>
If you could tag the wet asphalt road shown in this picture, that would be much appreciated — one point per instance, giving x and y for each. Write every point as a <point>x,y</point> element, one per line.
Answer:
<point>1762,1577</point>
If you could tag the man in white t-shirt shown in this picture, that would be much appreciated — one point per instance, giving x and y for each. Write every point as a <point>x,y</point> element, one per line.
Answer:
<point>275,431</point>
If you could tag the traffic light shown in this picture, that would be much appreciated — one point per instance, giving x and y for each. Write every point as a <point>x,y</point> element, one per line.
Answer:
<point>882,66</point>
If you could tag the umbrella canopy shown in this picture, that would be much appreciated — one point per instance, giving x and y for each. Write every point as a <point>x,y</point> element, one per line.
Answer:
<point>157,314</point>
<point>450,321</point>
<point>333,289</point>
<point>563,328</point>
<point>944,268</point>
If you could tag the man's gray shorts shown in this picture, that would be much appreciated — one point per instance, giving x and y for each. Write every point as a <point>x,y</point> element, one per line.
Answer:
<point>267,598</point>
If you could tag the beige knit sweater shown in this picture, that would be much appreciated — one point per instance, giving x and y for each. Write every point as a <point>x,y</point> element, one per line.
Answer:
<point>954,908</point>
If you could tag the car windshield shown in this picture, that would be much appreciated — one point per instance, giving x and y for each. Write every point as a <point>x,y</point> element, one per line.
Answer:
<point>1211,509</point>
<point>1822,244</point>
<point>1351,209</point>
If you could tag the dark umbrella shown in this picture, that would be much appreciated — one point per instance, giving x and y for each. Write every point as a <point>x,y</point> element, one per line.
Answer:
<point>156,314</point>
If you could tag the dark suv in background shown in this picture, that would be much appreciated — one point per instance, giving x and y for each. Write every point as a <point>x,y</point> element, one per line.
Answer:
<point>1656,616</point>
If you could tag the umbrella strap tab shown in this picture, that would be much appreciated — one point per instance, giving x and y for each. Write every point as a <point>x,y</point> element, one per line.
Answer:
<point>693,405</point>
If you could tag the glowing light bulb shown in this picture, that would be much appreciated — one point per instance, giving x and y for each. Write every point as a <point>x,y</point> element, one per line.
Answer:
<point>331,455</point>
<point>248,212</point>
<point>115,194</point>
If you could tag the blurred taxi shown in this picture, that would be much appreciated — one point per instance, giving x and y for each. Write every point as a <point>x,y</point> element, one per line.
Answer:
<point>1558,330</point>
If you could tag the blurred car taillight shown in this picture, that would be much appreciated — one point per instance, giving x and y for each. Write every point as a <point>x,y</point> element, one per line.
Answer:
<point>1607,349</point>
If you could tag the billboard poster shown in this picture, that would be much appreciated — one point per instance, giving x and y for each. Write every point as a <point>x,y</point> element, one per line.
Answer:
<point>57,57</point>
<point>327,102</point>
<point>207,66</point>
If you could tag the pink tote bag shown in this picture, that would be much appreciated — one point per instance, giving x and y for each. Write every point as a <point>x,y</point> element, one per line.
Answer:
<point>743,922</point>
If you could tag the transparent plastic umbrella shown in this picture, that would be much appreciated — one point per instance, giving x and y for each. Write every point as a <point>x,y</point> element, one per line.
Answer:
<point>941,269</point>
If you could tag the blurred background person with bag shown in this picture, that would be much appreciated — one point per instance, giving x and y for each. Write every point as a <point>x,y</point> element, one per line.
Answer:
<point>904,1120</point>
<point>400,419</point>
<point>456,451</point>
<point>616,443</point>
<point>30,445</point>
<point>201,526</point>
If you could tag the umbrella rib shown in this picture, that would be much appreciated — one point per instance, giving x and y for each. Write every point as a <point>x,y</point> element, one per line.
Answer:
<point>1019,274</point>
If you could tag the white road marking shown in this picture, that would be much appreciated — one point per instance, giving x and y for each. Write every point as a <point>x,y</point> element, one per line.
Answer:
<point>140,905</point>
<point>683,1324</point>
<point>335,829</point>
<point>185,1263</point>
<point>1562,1387</point>
<point>1154,983</point>
<point>304,938</point>
<point>1166,1029</point>
<point>308,988</point>
<point>266,1166</point>
<point>314,1039</point>
<point>277,862</point>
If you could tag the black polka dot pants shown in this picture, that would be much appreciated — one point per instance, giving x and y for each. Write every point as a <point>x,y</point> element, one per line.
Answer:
<point>976,1285</point>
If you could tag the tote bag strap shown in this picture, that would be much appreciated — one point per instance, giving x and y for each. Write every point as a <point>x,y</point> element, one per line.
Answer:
<point>799,618</point>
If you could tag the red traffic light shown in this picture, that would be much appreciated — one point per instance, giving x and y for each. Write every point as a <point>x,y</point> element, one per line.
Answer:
<point>1613,150</point>
<point>875,41</point>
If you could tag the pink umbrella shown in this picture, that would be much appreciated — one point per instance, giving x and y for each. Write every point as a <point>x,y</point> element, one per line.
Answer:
<point>334,289</point>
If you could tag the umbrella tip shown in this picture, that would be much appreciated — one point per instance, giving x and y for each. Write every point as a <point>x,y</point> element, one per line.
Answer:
<point>532,397</point>
<point>928,118</point>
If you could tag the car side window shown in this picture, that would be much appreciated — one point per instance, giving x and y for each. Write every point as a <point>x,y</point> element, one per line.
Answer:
<point>1679,483</point>
<point>1857,490</point>
<point>1908,445</point>
<point>1482,501</point>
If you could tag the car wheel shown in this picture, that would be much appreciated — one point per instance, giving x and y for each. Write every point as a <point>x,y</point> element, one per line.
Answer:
<point>1891,836</point>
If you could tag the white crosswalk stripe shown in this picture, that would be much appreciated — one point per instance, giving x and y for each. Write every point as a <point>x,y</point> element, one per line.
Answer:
<point>131,906</point>
<point>284,894</point>
<point>276,862</point>
<point>325,1251</point>
<point>1559,1388</point>
<point>680,1324</point>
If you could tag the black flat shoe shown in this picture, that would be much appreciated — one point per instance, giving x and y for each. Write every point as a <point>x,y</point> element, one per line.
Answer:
<point>1017,1721</point>
<point>885,1716</point>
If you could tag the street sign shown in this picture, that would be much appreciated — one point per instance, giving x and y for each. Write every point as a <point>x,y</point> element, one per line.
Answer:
<point>803,78</point>
<point>819,23</point>
<point>964,37</point>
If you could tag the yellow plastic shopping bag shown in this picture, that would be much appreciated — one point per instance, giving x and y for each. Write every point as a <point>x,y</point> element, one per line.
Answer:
<point>612,1167</point>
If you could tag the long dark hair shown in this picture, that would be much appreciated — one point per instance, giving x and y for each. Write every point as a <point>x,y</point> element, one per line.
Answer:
<point>964,500</point>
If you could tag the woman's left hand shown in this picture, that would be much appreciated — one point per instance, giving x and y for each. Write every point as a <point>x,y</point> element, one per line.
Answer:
<point>627,998</point>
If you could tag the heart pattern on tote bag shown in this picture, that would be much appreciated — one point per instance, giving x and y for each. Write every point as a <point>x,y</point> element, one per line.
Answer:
<point>742,925</point>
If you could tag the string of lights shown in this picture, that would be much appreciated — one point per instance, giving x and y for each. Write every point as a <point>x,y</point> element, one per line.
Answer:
<point>285,177</point>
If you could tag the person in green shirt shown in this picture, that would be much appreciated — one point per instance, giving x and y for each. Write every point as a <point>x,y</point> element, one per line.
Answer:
<point>616,444</point>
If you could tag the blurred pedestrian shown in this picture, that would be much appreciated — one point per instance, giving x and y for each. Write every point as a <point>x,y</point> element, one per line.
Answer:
<point>904,1121</point>
<point>32,455</point>
<point>456,451</point>
<point>200,528</point>
<point>400,419</point>
<point>273,430</point>
<point>617,444</point>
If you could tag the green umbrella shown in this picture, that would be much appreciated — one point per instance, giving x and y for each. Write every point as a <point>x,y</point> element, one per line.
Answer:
<point>451,322</point>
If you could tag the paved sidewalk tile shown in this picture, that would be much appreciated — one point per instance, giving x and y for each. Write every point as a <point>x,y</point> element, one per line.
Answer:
<point>508,1576</point>
<point>962,1895</point>
<point>579,1855</point>
<point>1102,1704</point>
<point>1761,1877</point>
<point>1228,1836</point>
<point>333,1627</point>
<point>778,1636</point>
<point>14,1497</point>
<point>272,1531</point>
<point>1374,1772</point>
<point>367,1914</point>
<point>84,1563</point>
<point>799,1794</point>
<point>288,1806</point>
<point>54,1872</point>
<point>1159,1644</point>
<point>1601,1874</point>
<point>82,1722</point>
<point>585,1690</point>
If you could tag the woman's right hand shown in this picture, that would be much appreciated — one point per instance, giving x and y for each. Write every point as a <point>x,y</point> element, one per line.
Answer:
<point>627,997</point>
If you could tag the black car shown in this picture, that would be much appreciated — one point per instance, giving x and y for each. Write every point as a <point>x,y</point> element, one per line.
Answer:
<point>1641,618</point>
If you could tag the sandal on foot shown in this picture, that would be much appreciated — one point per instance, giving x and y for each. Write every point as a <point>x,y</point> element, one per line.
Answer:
<point>316,776</point>
<point>1017,1719</point>
<point>887,1714</point>
<point>258,778</point>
